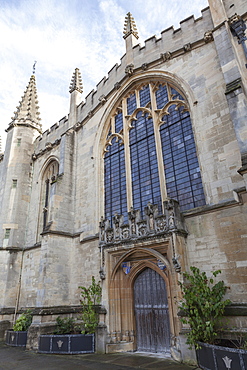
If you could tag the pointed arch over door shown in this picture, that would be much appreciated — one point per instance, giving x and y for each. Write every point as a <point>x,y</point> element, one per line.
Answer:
<point>151,312</point>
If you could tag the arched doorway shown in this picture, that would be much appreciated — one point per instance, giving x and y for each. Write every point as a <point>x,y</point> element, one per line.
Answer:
<point>151,312</point>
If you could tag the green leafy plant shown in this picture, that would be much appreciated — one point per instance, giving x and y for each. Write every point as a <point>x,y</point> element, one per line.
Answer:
<point>23,322</point>
<point>90,298</point>
<point>65,326</point>
<point>203,306</point>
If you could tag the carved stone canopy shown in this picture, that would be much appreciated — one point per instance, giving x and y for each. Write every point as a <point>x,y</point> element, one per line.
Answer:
<point>153,223</point>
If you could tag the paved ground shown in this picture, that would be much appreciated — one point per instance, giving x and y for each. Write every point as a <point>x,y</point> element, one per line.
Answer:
<point>17,358</point>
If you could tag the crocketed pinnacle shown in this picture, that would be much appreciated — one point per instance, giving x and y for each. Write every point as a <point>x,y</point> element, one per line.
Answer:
<point>130,26</point>
<point>27,112</point>
<point>76,82</point>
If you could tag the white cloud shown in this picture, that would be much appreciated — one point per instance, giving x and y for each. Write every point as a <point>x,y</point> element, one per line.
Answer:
<point>62,35</point>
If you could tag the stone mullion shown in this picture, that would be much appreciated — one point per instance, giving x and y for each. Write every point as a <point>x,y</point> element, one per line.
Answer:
<point>127,156</point>
<point>158,145</point>
<point>137,99</point>
<point>113,124</point>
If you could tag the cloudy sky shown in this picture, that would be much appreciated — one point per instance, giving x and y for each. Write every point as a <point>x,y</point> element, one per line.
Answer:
<point>62,35</point>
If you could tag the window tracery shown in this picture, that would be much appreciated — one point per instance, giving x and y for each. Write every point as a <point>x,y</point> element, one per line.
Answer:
<point>150,152</point>
<point>48,190</point>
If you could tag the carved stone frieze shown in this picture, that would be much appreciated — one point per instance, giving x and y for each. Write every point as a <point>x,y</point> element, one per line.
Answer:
<point>77,126</point>
<point>161,224</point>
<point>153,224</point>
<point>117,222</point>
<point>187,47</point>
<point>102,99</point>
<point>109,235</point>
<point>234,18</point>
<point>208,36</point>
<point>129,70</point>
<point>142,228</point>
<point>117,85</point>
<point>125,232</point>
<point>134,216</point>
<point>238,28</point>
<point>151,212</point>
<point>166,56</point>
<point>48,146</point>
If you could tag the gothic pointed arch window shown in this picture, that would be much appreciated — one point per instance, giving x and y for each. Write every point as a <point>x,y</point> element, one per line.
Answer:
<point>115,172</point>
<point>48,190</point>
<point>150,152</point>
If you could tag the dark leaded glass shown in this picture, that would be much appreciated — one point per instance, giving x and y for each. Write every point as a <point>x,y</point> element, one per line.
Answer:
<point>161,96</point>
<point>131,104</point>
<point>115,181</point>
<point>144,166</point>
<point>176,95</point>
<point>144,96</point>
<point>119,122</point>
<point>109,133</point>
<point>182,171</point>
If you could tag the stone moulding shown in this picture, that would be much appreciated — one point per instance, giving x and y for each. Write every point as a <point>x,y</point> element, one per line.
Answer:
<point>234,85</point>
<point>152,225</point>
<point>54,310</point>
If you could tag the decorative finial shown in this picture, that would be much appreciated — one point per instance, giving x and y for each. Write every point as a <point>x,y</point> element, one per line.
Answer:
<point>130,26</point>
<point>34,67</point>
<point>76,82</point>
<point>27,112</point>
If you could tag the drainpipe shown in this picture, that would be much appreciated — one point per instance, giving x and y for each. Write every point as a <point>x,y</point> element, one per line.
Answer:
<point>18,287</point>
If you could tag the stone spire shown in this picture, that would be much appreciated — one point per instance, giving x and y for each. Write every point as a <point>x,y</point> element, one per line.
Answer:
<point>130,36</point>
<point>130,26</point>
<point>76,82</point>
<point>75,90</point>
<point>27,113</point>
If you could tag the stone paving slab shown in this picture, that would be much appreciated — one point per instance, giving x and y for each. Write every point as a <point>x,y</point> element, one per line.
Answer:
<point>17,358</point>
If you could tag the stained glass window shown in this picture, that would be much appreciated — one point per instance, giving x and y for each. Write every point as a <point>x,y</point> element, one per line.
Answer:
<point>181,167</point>
<point>144,96</point>
<point>161,96</point>
<point>144,165</point>
<point>182,171</point>
<point>118,122</point>
<point>115,180</point>
<point>131,104</point>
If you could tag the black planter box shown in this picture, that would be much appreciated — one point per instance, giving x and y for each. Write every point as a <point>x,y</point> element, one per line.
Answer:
<point>211,357</point>
<point>16,338</point>
<point>66,343</point>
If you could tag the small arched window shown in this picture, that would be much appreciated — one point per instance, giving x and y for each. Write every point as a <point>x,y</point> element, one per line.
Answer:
<point>49,179</point>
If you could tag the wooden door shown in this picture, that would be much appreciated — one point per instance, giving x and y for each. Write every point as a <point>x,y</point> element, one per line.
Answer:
<point>151,312</point>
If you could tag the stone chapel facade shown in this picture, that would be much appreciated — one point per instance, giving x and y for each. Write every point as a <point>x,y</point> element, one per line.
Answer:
<point>140,181</point>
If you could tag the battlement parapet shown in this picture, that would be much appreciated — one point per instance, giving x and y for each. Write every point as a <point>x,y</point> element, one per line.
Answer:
<point>191,30</point>
<point>51,134</point>
<point>173,42</point>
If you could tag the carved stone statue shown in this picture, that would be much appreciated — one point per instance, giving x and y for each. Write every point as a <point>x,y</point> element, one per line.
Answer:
<point>102,229</point>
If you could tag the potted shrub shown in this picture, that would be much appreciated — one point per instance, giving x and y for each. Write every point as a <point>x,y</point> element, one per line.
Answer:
<point>203,308</point>
<point>90,299</point>
<point>73,338</point>
<point>18,336</point>
<point>66,339</point>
